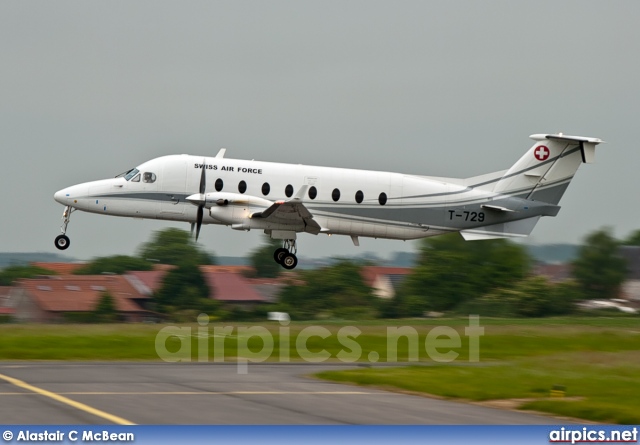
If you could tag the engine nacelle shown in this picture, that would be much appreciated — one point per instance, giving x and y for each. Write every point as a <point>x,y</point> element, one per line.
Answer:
<point>229,214</point>
<point>234,208</point>
<point>222,199</point>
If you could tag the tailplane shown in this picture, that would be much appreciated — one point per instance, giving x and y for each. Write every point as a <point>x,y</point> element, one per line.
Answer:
<point>540,177</point>
<point>544,172</point>
<point>513,229</point>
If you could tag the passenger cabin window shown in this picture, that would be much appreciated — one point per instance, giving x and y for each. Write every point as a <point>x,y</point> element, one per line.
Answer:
<point>242,187</point>
<point>219,185</point>
<point>137,178</point>
<point>149,177</point>
<point>313,192</point>
<point>359,196</point>
<point>335,195</point>
<point>288,190</point>
<point>266,188</point>
<point>382,199</point>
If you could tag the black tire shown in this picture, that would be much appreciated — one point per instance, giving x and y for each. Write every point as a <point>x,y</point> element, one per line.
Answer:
<point>279,254</point>
<point>290,261</point>
<point>62,242</point>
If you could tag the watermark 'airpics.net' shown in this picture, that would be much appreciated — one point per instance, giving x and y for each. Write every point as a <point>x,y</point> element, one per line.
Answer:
<point>441,344</point>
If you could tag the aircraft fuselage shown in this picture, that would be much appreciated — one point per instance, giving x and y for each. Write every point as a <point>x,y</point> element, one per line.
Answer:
<point>286,199</point>
<point>347,201</point>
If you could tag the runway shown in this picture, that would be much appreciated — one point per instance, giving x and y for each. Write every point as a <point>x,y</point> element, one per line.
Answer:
<point>208,393</point>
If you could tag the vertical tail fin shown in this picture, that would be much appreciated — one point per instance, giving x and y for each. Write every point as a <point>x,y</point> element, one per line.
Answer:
<point>544,172</point>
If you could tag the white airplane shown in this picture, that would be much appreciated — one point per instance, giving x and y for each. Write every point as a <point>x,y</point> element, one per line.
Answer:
<point>287,199</point>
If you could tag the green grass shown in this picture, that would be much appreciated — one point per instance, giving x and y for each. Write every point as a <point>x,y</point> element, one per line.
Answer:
<point>77,342</point>
<point>596,359</point>
<point>504,339</point>
<point>599,392</point>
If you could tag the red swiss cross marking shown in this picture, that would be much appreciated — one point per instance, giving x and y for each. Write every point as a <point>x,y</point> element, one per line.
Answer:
<point>541,153</point>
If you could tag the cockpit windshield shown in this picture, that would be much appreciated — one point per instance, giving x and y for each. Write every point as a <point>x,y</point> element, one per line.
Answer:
<point>129,174</point>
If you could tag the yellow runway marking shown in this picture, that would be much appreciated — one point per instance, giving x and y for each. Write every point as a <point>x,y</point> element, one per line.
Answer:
<point>66,401</point>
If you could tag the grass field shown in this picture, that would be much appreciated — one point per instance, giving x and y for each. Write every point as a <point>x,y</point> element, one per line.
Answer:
<point>597,360</point>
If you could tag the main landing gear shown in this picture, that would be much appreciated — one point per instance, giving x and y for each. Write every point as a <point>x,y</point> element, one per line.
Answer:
<point>62,242</point>
<point>286,255</point>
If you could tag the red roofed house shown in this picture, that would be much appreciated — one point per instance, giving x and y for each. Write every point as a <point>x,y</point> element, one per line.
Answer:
<point>59,268</point>
<point>48,299</point>
<point>146,281</point>
<point>5,307</point>
<point>227,283</point>
<point>229,286</point>
<point>384,280</point>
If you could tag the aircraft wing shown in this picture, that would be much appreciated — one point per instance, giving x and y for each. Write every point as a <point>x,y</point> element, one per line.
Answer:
<point>291,212</point>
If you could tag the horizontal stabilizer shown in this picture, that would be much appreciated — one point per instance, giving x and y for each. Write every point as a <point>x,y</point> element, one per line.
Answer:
<point>566,137</point>
<point>496,208</point>
<point>587,145</point>
<point>468,236</point>
<point>513,229</point>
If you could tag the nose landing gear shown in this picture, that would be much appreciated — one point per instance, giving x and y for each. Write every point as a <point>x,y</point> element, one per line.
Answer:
<point>286,255</point>
<point>62,242</point>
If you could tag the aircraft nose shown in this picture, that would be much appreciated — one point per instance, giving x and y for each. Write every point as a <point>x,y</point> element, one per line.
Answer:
<point>61,196</point>
<point>73,194</point>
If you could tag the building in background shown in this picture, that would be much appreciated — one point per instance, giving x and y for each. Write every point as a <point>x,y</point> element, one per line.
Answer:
<point>51,299</point>
<point>5,305</point>
<point>385,281</point>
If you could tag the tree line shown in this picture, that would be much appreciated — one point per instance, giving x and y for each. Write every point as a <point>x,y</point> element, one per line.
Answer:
<point>491,277</point>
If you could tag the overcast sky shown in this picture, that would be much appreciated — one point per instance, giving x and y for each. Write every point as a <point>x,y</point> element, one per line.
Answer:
<point>90,89</point>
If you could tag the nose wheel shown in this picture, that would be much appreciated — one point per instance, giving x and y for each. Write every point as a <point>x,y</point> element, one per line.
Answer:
<point>62,242</point>
<point>286,256</point>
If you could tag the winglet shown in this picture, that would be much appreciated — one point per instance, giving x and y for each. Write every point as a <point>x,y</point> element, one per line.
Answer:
<point>221,153</point>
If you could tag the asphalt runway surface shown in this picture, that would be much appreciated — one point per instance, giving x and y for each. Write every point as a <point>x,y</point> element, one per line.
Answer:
<point>210,393</point>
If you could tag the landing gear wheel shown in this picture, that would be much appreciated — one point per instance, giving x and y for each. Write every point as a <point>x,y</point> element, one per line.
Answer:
<point>289,261</point>
<point>62,242</point>
<point>279,254</point>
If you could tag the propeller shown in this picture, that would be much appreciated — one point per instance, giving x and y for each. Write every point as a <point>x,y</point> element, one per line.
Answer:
<point>200,201</point>
<point>203,184</point>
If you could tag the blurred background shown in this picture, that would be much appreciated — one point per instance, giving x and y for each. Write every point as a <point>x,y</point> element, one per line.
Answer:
<point>89,90</point>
